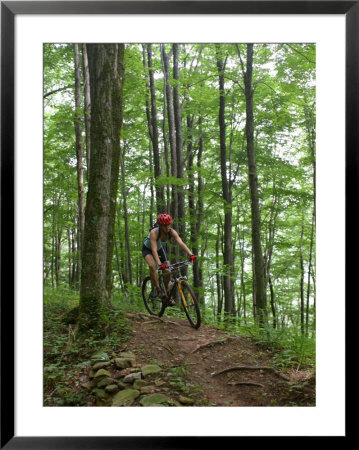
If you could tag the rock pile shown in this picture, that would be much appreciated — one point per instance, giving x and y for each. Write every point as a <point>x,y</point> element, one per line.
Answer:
<point>121,381</point>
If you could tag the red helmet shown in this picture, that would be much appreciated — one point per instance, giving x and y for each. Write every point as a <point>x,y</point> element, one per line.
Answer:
<point>164,219</point>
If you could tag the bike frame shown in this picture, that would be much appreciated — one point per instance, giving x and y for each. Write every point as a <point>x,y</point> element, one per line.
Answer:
<point>173,268</point>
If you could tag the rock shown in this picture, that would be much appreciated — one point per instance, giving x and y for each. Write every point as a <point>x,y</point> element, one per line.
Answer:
<point>138,383</point>
<point>147,389</point>
<point>125,397</point>
<point>124,363</point>
<point>91,374</point>
<point>99,356</point>
<point>132,377</point>
<point>155,400</point>
<point>105,382</point>
<point>101,365</point>
<point>185,400</point>
<point>100,394</point>
<point>112,389</point>
<point>150,369</point>
<point>102,398</point>
<point>128,355</point>
<point>122,373</point>
<point>102,373</point>
<point>121,385</point>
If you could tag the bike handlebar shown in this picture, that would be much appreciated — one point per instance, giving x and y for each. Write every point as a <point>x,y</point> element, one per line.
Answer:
<point>175,266</point>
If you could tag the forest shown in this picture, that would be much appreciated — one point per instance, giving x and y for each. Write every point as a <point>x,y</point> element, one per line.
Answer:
<point>220,136</point>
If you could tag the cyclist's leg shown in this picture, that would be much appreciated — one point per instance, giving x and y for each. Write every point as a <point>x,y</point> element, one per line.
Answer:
<point>152,267</point>
<point>164,259</point>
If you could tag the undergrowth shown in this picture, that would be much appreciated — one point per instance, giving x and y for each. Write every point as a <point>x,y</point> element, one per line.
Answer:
<point>66,358</point>
<point>290,348</point>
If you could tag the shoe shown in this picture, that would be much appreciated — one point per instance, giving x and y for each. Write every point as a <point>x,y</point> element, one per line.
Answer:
<point>171,302</point>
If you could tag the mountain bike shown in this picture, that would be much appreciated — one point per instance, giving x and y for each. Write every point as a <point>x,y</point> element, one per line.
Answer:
<point>178,284</point>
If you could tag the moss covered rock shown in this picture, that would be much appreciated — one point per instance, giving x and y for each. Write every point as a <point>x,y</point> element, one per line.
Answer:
<point>125,397</point>
<point>124,363</point>
<point>156,399</point>
<point>112,389</point>
<point>150,369</point>
<point>102,373</point>
<point>100,356</point>
<point>101,365</point>
<point>105,382</point>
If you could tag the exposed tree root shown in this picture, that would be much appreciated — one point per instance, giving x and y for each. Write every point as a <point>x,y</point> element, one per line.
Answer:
<point>144,316</point>
<point>154,318</point>
<point>211,343</point>
<point>246,383</point>
<point>137,315</point>
<point>167,348</point>
<point>183,338</point>
<point>250,368</point>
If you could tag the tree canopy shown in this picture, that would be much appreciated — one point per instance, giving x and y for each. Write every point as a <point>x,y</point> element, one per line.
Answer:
<point>185,147</point>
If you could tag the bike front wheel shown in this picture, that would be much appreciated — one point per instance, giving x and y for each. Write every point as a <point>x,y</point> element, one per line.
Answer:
<point>154,305</point>
<point>190,304</point>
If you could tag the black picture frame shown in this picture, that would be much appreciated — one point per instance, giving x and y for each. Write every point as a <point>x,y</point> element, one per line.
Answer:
<point>9,9</point>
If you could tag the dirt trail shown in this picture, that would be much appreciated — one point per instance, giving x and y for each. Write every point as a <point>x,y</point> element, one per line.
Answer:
<point>191,360</point>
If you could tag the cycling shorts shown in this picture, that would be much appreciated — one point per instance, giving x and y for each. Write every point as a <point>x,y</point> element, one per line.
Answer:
<point>161,254</point>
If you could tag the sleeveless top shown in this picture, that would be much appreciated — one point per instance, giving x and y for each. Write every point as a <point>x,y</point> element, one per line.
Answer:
<point>160,243</point>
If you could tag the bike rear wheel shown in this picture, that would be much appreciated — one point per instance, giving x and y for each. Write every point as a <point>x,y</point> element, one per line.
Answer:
<point>190,304</point>
<point>154,305</point>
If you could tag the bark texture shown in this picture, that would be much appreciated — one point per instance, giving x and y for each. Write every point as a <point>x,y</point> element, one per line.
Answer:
<point>106,80</point>
<point>260,298</point>
<point>226,194</point>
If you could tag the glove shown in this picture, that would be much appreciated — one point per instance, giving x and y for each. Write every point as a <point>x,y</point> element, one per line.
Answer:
<point>161,266</point>
<point>192,258</point>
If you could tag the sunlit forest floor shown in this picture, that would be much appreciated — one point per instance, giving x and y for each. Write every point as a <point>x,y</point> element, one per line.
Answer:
<point>206,367</point>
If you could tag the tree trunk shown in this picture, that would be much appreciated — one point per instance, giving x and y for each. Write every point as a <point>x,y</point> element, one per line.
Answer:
<point>58,256</point>
<point>311,143</point>
<point>260,297</point>
<point>125,216</point>
<point>226,194</point>
<point>179,147</point>
<point>309,272</point>
<point>197,267</point>
<point>69,247</point>
<point>218,276</point>
<point>172,134</point>
<point>149,126</point>
<point>166,150</point>
<point>194,211</point>
<point>117,120</point>
<point>79,155</point>
<point>268,254</point>
<point>75,277</point>
<point>302,279</point>
<point>87,99</point>
<point>106,80</point>
<point>154,134</point>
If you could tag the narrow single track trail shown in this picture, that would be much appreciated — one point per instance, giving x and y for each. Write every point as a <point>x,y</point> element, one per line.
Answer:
<point>215,368</point>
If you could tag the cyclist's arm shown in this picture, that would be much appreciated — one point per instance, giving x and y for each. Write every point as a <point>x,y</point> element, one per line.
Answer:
<point>153,240</point>
<point>180,242</point>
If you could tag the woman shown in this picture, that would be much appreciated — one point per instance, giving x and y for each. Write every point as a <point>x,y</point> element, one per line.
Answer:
<point>155,254</point>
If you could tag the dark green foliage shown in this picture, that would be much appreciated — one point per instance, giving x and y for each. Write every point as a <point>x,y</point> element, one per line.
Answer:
<point>66,354</point>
